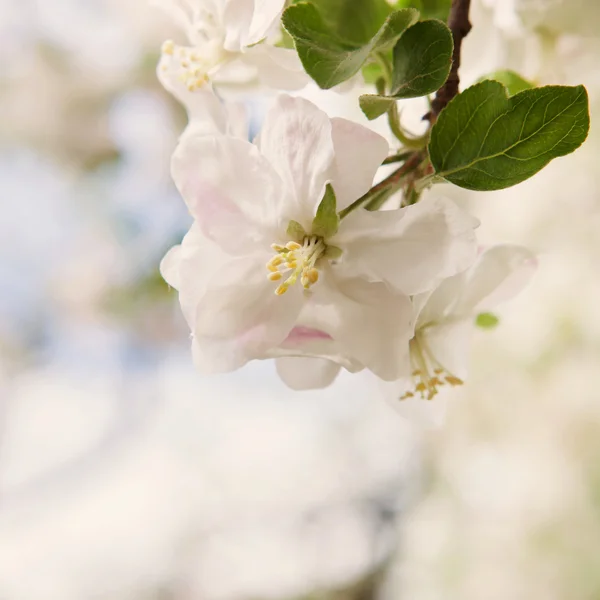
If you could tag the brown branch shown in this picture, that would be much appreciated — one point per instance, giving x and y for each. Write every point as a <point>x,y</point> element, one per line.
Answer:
<point>458,22</point>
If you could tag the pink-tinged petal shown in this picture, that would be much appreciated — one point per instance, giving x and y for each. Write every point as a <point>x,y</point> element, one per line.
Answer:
<point>189,267</point>
<point>230,189</point>
<point>240,308</point>
<point>412,248</point>
<point>266,14</point>
<point>230,118</point>
<point>302,373</point>
<point>499,274</point>
<point>359,152</point>
<point>296,139</point>
<point>370,322</point>
<point>278,68</point>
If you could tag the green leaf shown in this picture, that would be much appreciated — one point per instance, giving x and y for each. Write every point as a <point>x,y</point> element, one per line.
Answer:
<point>295,231</point>
<point>429,9</point>
<point>484,140</point>
<point>486,320</point>
<point>512,81</point>
<point>326,222</point>
<point>422,61</point>
<point>326,56</point>
<point>356,21</point>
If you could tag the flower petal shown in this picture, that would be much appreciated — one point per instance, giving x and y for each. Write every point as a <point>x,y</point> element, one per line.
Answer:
<point>370,322</point>
<point>359,152</point>
<point>500,273</point>
<point>424,414</point>
<point>266,13</point>
<point>230,189</point>
<point>237,18</point>
<point>189,267</point>
<point>412,248</point>
<point>278,68</point>
<point>240,311</point>
<point>301,373</point>
<point>296,139</point>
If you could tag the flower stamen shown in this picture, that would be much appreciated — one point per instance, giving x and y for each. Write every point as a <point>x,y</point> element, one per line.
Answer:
<point>428,373</point>
<point>300,259</point>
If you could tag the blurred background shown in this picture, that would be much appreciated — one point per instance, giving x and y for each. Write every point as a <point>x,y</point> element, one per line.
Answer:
<point>126,475</point>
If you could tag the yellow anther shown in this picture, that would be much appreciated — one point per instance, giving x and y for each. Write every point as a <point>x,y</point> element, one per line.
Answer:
<point>452,380</point>
<point>420,387</point>
<point>276,276</point>
<point>282,288</point>
<point>275,262</point>
<point>168,47</point>
<point>293,246</point>
<point>291,264</point>
<point>277,247</point>
<point>312,275</point>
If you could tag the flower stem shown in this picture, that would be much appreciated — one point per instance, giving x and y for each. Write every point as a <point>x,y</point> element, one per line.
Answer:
<point>390,181</point>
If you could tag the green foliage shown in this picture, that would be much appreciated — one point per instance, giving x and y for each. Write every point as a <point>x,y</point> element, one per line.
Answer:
<point>326,222</point>
<point>356,21</point>
<point>486,320</point>
<point>429,9</point>
<point>421,64</point>
<point>331,55</point>
<point>484,140</point>
<point>295,231</point>
<point>512,81</point>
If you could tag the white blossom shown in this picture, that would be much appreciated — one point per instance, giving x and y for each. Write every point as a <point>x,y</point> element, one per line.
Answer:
<point>251,288</point>
<point>226,46</point>
<point>445,322</point>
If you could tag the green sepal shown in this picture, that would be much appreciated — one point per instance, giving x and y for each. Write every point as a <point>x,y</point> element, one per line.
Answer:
<point>486,140</point>
<point>295,231</point>
<point>326,222</point>
<point>421,63</point>
<point>332,252</point>
<point>327,56</point>
<point>486,320</point>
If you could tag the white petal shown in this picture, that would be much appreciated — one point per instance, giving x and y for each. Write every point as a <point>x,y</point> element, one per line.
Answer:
<point>307,373</point>
<point>296,139</point>
<point>412,248</point>
<point>266,14</point>
<point>230,189</point>
<point>278,68</point>
<point>439,304</point>
<point>359,152</point>
<point>450,344</point>
<point>500,273</point>
<point>369,321</point>
<point>240,310</point>
<point>200,104</point>
<point>226,118</point>
<point>237,18</point>
<point>424,414</point>
<point>189,267</point>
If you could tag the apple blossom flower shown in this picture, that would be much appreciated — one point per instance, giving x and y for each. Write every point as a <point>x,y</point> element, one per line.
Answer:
<point>445,321</point>
<point>226,40</point>
<point>258,279</point>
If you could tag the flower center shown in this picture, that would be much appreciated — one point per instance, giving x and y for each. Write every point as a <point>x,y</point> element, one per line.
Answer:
<point>428,374</point>
<point>192,64</point>
<point>297,261</point>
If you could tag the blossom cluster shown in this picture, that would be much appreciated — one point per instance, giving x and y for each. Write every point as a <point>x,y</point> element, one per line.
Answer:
<point>283,260</point>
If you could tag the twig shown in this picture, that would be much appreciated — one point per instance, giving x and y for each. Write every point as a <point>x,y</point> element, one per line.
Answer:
<point>412,163</point>
<point>458,22</point>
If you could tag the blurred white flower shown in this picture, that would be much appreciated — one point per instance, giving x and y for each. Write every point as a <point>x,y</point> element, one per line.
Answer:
<point>445,321</point>
<point>226,46</point>
<point>352,306</point>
